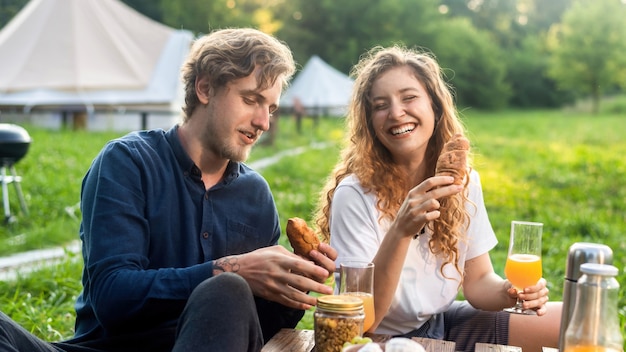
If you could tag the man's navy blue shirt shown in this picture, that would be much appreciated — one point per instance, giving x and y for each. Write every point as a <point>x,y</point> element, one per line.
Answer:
<point>151,231</point>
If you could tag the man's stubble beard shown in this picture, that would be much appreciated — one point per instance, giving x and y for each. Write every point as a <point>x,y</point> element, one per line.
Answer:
<point>225,150</point>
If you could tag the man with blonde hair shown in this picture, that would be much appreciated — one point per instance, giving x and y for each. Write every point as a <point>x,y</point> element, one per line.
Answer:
<point>179,235</point>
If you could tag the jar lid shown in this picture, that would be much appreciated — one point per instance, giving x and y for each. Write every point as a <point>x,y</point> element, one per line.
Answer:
<point>339,303</point>
<point>598,269</point>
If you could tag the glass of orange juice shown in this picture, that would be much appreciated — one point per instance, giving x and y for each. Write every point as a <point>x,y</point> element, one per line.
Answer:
<point>523,263</point>
<point>356,278</point>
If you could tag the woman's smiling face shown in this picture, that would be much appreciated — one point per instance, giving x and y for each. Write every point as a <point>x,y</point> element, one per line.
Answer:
<point>402,113</point>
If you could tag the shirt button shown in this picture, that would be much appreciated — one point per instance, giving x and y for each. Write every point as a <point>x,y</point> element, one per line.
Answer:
<point>205,235</point>
<point>206,195</point>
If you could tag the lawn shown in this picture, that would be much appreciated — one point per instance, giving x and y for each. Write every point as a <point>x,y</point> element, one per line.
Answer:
<point>563,169</point>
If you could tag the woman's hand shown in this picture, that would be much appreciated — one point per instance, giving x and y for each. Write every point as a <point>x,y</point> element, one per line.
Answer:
<point>422,204</point>
<point>534,297</point>
<point>325,256</point>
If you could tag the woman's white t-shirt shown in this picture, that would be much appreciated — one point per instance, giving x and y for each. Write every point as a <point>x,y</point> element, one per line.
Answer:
<point>423,291</point>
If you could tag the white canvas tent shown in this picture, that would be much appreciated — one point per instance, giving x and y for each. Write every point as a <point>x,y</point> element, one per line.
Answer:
<point>96,57</point>
<point>322,89</point>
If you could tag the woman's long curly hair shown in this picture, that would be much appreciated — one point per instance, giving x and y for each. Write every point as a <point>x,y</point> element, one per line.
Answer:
<point>366,157</point>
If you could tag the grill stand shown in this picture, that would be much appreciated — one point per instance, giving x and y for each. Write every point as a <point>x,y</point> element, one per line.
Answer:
<point>15,180</point>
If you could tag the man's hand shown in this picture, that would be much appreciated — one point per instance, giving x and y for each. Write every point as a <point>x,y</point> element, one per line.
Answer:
<point>276,274</point>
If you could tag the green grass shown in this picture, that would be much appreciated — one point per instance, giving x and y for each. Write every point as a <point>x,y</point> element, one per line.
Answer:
<point>565,169</point>
<point>51,171</point>
<point>44,302</point>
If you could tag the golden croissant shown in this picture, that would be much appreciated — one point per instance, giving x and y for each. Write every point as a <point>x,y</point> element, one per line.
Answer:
<point>453,159</point>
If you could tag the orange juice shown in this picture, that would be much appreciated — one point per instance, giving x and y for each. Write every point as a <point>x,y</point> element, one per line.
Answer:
<point>588,348</point>
<point>523,270</point>
<point>368,307</point>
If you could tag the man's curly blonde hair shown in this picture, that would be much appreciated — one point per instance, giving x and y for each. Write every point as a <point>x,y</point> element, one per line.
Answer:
<point>366,157</point>
<point>229,54</point>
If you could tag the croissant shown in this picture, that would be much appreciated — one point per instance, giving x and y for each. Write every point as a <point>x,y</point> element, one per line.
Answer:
<point>301,237</point>
<point>453,159</point>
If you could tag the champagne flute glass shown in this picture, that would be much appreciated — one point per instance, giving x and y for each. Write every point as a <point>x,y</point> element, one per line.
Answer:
<point>523,263</point>
<point>357,279</point>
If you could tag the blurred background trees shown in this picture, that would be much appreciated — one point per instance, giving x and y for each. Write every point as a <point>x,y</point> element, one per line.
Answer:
<point>496,53</point>
<point>588,49</point>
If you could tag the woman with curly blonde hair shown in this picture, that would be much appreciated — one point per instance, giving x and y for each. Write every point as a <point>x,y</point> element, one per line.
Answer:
<point>427,235</point>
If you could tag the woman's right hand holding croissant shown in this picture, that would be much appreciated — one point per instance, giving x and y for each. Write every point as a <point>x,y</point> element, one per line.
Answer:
<point>422,204</point>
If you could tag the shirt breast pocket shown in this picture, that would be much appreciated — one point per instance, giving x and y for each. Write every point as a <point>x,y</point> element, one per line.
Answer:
<point>242,238</point>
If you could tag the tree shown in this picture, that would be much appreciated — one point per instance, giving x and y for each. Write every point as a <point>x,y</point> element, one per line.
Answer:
<point>473,63</point>
<point>498,17</point>
<point>545,13</point>
<point>8,10</point>
<point>147,8</point>
<point>527,74</point>
<point>516,30</point>
<point>340,31</point>
<point>589,48</point>
<point>201,16</point>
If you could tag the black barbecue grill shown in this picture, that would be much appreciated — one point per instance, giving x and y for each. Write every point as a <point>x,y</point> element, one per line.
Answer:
<point>14,144</point>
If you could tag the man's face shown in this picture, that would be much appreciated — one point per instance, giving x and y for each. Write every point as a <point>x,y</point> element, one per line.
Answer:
<point>236,116</point>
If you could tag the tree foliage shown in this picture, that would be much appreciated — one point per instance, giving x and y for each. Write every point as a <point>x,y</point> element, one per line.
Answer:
<point>201,16</point>
<point>494,50</point>
<point>530,85</point>
<point>589,48</point>
<point>8,9</point>
<point>340,31</point>
<point>476,69</point>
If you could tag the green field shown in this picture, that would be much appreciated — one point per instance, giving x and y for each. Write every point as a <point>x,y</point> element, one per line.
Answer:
<point>566,170</point>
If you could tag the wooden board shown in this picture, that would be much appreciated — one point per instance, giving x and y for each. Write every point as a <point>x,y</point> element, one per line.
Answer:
<point>433,345</point>
<point>294,340</point>
<point>291,340</point>
<point>488,347</point>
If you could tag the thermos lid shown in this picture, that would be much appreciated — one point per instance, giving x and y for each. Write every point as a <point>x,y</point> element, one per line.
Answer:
<point>583,252</point>
<point>598,269</point>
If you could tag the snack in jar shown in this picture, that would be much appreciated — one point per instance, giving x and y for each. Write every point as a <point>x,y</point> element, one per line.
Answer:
<point>337,320</point>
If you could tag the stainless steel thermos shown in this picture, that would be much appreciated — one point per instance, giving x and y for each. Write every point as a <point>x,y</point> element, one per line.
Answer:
<point>579,253</point>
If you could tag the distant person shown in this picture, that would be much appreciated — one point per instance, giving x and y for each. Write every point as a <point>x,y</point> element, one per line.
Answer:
<point>383,198</point>
<point>298,111</point>
<point>179,235</point>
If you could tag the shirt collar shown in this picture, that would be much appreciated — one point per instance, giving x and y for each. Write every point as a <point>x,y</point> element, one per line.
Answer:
<point>185,162</point>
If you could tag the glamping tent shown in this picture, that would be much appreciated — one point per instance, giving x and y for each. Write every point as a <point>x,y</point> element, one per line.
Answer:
<point>320,88</point>
<point>95,61</point>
